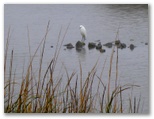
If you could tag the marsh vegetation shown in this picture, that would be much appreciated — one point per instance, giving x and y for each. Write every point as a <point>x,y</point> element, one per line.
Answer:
<point>40,92</point>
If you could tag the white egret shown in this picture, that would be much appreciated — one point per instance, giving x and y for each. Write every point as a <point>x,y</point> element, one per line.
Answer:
<point>83,32</point>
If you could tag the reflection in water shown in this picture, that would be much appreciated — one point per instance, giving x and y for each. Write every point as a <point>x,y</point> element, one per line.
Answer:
<point>81,53</point>
<point>101,22</point>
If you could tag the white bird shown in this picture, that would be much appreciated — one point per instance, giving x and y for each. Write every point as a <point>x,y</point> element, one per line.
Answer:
<point>83,32</point>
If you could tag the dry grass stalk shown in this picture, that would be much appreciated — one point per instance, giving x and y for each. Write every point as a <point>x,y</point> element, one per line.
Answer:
<point>48,96</point>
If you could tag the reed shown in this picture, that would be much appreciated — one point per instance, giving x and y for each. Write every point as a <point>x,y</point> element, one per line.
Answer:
<point>42,94</point>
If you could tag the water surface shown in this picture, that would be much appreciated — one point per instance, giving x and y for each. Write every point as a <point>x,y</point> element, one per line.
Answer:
<point>101,22</point>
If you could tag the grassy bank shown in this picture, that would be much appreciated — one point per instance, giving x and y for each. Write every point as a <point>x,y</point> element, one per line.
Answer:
<point>45,94</point>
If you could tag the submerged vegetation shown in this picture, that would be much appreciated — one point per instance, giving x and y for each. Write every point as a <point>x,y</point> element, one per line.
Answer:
<point>44,94</point>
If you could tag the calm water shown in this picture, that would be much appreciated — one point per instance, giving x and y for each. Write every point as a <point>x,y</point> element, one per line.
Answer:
<point>101,22</point>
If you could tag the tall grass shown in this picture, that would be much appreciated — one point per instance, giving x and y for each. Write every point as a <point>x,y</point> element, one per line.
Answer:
<point>43,94</point>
